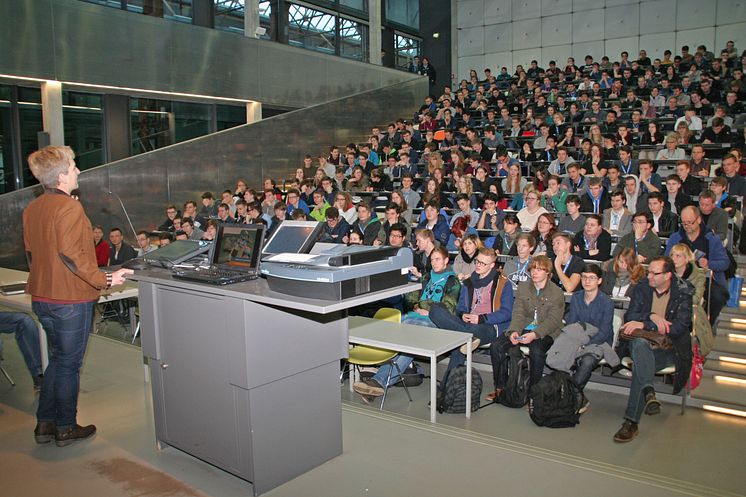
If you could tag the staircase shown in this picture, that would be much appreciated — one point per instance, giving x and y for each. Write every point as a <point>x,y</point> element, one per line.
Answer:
<point>723,386</point>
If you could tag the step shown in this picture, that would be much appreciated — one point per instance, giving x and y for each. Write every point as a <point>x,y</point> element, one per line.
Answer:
<point>737,312</point>
<point>720,365</point>
<point>728,324</point>
<point>725,343</point>
<point>723,392</point>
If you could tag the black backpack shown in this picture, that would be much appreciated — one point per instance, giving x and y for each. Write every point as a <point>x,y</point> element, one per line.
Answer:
<point>732,266</point>
<point>515,393</point>
<point>452,396</point>
<point>554,401</point>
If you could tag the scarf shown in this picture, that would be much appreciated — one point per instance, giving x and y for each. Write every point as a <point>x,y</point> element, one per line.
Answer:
<point>466,257</point>
<point>478,282</point>
<point>590,243</point>
<point>622,278</point>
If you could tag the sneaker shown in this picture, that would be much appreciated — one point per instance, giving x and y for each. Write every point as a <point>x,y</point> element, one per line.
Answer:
<point>74,433</point>
<point>474,344</point>
<point>627,432</point>
<point>652,404</point>
<point>585,406</point>
<point>368,387</point>
<point>493,396</point>
<point>44,432</point>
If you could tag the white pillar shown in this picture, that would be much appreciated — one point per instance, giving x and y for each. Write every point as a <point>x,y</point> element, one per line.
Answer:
<point>51,111</point>
<point>374,32</point>
<point>251,18</point>
<point>253,112</point>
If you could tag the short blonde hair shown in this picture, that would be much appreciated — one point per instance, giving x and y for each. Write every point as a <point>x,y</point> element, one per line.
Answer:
<point>48,163</point>
<point>684,249</point>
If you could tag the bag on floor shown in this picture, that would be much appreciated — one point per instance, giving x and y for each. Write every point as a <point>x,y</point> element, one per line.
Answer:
<point>413,376</point>
<point>452,395</point>
<point>554,401</point>
<point>735,285</point>
<point>515,393</point>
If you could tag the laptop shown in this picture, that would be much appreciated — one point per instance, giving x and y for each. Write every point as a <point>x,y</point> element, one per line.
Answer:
<point>292,237</point>
<point>234,256</point>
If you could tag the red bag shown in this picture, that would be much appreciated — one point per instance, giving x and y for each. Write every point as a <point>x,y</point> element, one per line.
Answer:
<point>460,225</point>
<point>698,363</point>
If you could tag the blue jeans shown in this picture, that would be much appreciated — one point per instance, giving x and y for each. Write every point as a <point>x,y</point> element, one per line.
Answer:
<point>67,327</point>
<point>584,366</point>
<point>447,321</point>
<point>403,361</point>
<point>646,362</point>
<point>27,336</point>
<point>537,356</point>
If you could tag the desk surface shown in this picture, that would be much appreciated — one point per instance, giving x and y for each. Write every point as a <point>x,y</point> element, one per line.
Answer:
<point>22,302</point>
<point>258,291</point>
<point>408,338</point>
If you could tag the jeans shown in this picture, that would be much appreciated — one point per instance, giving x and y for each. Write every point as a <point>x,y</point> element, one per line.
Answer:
<point>67,327</point>
<point>646,362</point>
<point>27,336</point>
<point>447,321</point>
<point>537,356</point>
<point>584,366</point>
<point>403,361</point>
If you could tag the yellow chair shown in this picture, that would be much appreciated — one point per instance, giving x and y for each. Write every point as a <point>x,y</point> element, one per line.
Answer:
<point>364,356</point>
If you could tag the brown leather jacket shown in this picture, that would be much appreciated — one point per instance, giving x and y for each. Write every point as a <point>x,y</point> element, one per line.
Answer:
<point>59,244</point>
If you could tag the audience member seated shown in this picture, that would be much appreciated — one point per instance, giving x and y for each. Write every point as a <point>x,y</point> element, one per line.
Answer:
<point>484,307</point>
<point>120,252</point>
<point>529,215</point>
<point>664,221</point>
<point>566,267</point>
<point>661,303</point>
<point>168,224</point>
<point>642,240</point>
<point>435,222</point>
<point>318,212</point>
<point>545,228</point>
<point>393,217</point>
<point>690,185</point>
<point>573,222</point>
<point>212,230</point>
<point>224,214</point>
<point>366,225</point>
<point>424,245</point>
<point>715,218</point>
<point>617,219</point>
<point>574,182</point>
<point>676,199</point>
<point>143,243</point>
<point>439,286</point>
<point>516,268</point>
<point>622,274</point>
<point>504,241</point>
<point>294,202</point>
<point>192,233</point>
<point>165,239</point>
<point>593,242</point>
<point>102,247</point>
<point>535,321</point>
<point>335,227</point>
<point>27,337</point>
<point>686,269</point>
<point>719,186</point>
<point>465,262</point>
<point>709,252</point>
<point>596,198</point>
<point>554,198</point>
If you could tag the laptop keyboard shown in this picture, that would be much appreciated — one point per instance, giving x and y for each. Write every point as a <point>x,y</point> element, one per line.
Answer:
<point>214,276</point>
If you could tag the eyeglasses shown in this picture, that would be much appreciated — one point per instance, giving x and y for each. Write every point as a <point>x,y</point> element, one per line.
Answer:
<point>532,198</point>
<point>591,277</point>
<point>483,263</point>
<point>395,235</point>
<point>690,223</point>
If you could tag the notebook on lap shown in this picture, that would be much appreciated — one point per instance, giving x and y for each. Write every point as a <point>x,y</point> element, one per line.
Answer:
<point>234,256</point>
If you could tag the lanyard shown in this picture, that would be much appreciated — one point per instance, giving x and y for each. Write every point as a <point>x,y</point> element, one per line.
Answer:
<point>625,170</point>
<point>522,269</point>
<point>567,264</point>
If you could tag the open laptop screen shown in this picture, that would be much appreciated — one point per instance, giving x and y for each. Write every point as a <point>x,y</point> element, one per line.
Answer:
<point>294,237</point>
<point>238,245</point>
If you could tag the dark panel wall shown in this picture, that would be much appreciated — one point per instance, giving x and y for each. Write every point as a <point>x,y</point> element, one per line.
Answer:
<point>435,17</point>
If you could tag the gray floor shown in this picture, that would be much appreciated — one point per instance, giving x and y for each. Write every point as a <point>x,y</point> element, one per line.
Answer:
<point>390,453</point>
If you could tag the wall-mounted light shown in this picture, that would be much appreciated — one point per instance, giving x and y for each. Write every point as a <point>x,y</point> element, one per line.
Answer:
<point>436,35</point>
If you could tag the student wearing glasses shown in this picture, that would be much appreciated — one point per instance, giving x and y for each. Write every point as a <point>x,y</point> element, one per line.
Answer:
<point>661,303</point>
<point>529,215</point>
<point>535,321</point>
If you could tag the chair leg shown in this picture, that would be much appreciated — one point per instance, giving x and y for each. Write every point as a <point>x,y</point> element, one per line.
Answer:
<point>684,394</point>
<point>137,332</point>
<point>7,377</point>
<point>401,378</point>
<point>386,386</point>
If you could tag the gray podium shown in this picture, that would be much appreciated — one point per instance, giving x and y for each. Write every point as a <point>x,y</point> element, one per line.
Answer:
<point>244,378</point>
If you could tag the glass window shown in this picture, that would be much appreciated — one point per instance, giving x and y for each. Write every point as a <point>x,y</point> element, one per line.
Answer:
<point>29,110</point>
<point>353,39</point>
<point>229,15</point>
<point>7,174</point>
<point>312,29</point>
<point>178,10</point>
<point>361,5</point>
<point>404,12</point>
<point>230,116</point>
<point>265,19</point>
<point>84,121</point>
<point>159,123</point>
<point>406,49</point>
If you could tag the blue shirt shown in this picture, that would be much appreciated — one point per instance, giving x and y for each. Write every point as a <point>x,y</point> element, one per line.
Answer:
<point>599,313</point>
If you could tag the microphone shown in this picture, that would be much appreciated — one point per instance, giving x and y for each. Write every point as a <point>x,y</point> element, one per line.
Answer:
<point>124,209</point>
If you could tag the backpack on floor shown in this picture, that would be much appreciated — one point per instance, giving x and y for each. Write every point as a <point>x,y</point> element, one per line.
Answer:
<point>515,393</point>
<point>413,376</point>
<point>554,401</point>
<point>452,395</point>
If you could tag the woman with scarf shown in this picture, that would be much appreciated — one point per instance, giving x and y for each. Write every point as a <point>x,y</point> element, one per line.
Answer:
<point>464,263</point>
<point>621,276</point>
<point>439,285</point>
<point>687,269</point>
<point>516,268</point>
<point>505,240</point>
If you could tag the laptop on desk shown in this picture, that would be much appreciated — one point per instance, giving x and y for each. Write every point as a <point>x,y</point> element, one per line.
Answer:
<point>234,256</point>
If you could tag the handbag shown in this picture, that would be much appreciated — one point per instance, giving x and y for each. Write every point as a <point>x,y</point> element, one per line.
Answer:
<point>656,340</point>
<point>698,363</point>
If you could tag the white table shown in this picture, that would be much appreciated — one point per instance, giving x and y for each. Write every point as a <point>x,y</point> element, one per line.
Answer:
<point>413,340</point>
<point>22,302</point>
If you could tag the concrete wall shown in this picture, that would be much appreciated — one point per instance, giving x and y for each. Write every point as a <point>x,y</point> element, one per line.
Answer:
<point>495,33</point>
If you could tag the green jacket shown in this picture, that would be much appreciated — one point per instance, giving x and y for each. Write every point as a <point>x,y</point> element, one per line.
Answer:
<point>549,304</point>
<point>449,299</point>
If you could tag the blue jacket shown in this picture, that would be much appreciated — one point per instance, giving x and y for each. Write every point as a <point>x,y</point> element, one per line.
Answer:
<point>500,317</point>
<point>717,257</point>
<point>600,313</point>
<point>441,230</point>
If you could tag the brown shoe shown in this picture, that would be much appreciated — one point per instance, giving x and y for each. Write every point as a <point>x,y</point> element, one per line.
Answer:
<point>44,432</point>
<point>74,433</point>
<point>369,387</point>
<point>627,432</point>
<point>493,396</point>
<point>652,404</point>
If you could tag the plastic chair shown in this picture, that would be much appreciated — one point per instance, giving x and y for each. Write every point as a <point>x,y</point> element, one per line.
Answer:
<point>2,369</point>
<point>137,328</point>
<point>363,356</point>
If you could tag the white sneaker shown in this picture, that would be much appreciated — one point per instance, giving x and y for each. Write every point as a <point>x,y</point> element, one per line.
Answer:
<point>585,406</point>
<point>474,344</point>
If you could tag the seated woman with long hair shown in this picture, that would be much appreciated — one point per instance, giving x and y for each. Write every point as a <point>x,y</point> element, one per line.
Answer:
<point>545,228</point>
<point>621,276</point>
<point>465,262</point>
<point>687,269</point>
